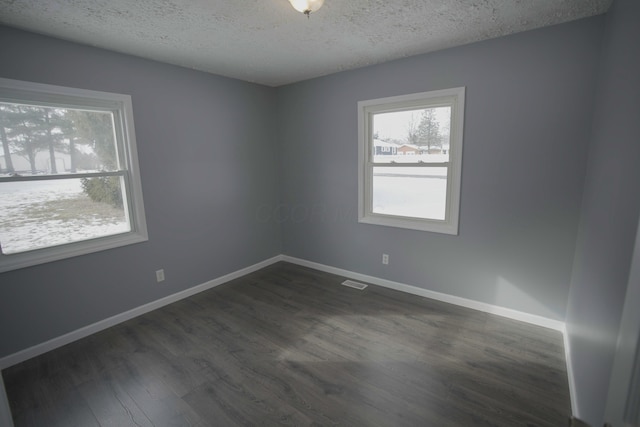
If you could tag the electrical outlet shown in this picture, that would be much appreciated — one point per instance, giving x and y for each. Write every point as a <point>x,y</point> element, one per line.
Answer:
<point>160,275</point>
<point>385,259</point>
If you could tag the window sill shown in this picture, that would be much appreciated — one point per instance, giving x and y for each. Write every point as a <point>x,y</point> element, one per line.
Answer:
<point>411,224</point>
<point>56,253</point>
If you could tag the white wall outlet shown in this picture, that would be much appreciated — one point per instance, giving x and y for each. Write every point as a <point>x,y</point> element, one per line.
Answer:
<point>160,275</point>
<point>385,259</point>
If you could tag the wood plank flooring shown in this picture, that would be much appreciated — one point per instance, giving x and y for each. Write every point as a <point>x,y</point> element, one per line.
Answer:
<point>289,345</point>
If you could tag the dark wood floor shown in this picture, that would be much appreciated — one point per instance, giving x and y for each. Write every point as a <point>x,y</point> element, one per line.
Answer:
<point>290,346</point>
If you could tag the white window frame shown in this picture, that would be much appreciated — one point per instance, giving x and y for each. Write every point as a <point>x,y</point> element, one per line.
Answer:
<point>453,97</point>
<point>121,107</point>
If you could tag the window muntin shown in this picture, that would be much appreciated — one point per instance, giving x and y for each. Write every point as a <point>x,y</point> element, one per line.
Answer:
<point>410,152</point>
<point>69,181</point>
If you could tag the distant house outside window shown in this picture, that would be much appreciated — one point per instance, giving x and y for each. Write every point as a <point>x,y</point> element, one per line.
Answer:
<point>69,179</point>
<point>410,160</point>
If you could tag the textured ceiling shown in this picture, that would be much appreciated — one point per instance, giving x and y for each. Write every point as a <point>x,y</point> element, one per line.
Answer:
<point>268,42</point>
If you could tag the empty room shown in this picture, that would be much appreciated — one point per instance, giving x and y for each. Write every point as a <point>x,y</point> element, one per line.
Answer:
<point>308,212</point>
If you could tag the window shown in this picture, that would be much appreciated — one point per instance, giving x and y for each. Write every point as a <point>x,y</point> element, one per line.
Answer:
<point>410,158</point>
<point>69,180</point>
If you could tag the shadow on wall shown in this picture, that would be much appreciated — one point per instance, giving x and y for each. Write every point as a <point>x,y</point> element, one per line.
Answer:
<point>589,345</point>
<point>507,292</point>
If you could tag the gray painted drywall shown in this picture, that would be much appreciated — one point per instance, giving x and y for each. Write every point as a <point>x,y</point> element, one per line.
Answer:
<point>609,213</point>
<point>527,122</point>
<point>206,146</point>
<point>627,348</point>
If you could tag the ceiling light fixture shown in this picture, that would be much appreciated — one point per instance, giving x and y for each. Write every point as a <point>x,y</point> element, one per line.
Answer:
<point>306,6</point>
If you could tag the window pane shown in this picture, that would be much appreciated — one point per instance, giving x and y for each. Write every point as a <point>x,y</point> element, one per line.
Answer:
<point>40,214</point>
<point>412,136</point>
<point>417,192</point>
<point>40,140</point>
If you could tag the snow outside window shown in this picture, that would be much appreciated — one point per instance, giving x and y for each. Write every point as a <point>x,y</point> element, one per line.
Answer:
<point>410,160</point>
<point>69,181</point>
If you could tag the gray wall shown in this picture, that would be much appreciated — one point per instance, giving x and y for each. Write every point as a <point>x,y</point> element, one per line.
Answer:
<point>609,213</point>
<point>216,203</point>
<point>206,145</point>
<point>627,352</point>
<point>527,124</point>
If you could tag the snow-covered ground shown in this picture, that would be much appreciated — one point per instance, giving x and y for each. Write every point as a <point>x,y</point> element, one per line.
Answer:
<point>31,217</point>
<point>412,192</point>
<point>418,191</point>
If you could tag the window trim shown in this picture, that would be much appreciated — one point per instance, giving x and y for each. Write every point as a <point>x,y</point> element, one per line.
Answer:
<point>366,109</point>
<point>60,96</point>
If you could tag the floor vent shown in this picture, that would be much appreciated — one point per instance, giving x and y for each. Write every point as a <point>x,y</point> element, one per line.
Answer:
<point>355,285</point>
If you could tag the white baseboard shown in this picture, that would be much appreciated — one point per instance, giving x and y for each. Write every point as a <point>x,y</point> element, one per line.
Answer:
<point>572,382</point>
<point>70,337</point>
<point>54,343</point>
<point>464,302</point>
<point>451,299</point>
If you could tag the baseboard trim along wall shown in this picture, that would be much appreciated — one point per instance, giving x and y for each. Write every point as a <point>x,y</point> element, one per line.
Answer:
<point>54,343</point>
<point>464,302</point>
<point>451,299</point>
<point>72,336</point>
<point>575,411</point>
